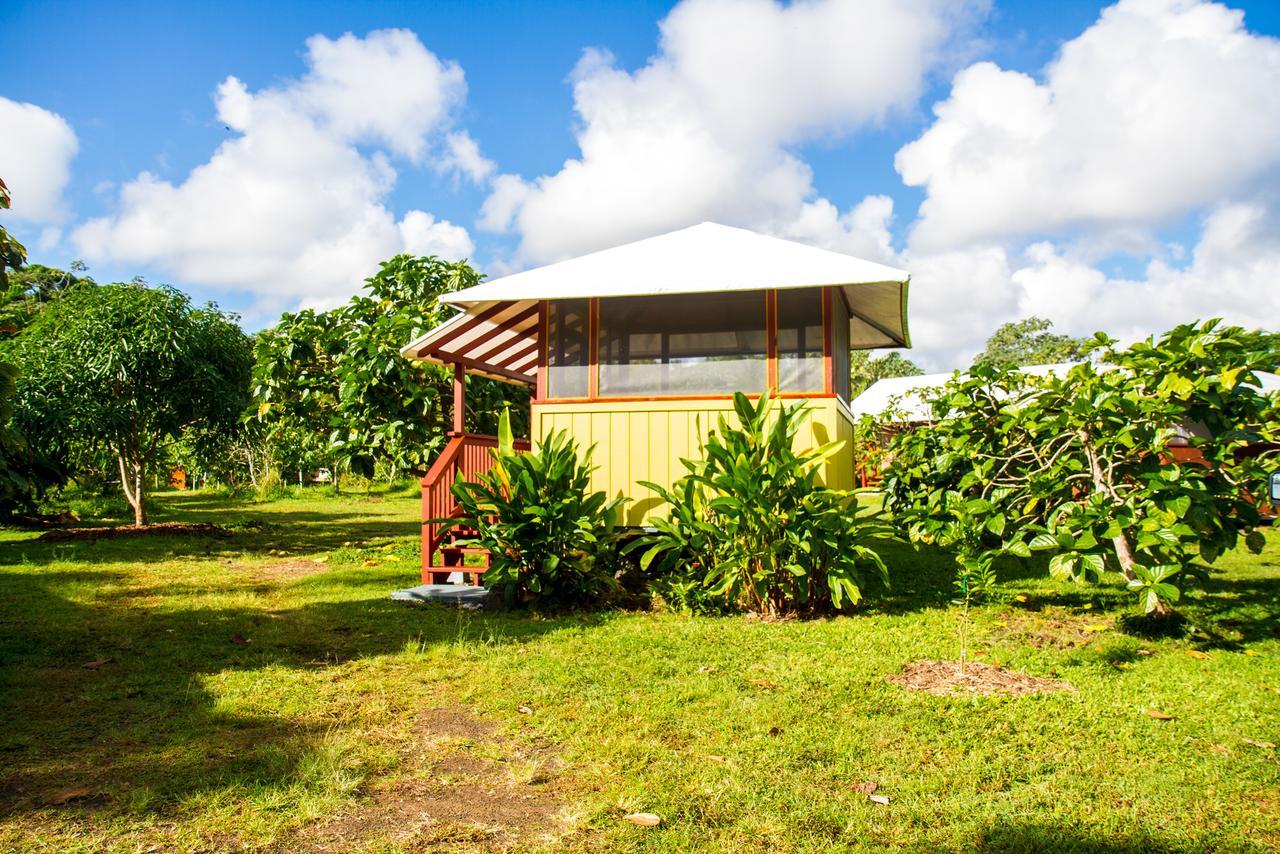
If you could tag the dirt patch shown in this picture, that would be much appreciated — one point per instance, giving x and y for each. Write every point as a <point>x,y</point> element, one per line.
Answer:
<point>464,788</point>
<point>117,532</point>
<point>288,570</point>
<point>945,678</point>
<point>1050,630</point>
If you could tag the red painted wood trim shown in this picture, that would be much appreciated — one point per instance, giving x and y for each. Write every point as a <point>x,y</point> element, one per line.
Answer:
<point>482,368</point>
<point>593,349</point>
<point>791,395</point>
<point>434,346</point>
<point>459,398</point>
<point>828,369</point>
<point>771,339</point>
<point>540,387</point>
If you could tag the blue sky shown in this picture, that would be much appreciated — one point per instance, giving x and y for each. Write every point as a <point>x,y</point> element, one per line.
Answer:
<point>135,85</point>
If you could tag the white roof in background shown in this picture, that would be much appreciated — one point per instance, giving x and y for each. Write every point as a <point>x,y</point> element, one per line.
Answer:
<point>909,395</point>
<point>714,258</point>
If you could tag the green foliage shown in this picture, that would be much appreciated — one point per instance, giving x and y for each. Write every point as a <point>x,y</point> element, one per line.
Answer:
<point>120,371</point>
<point>551,540</point>
<point>865,370</point>
<point>1030,342</point>
<point>751,527</point>
<point>12,253</point>
<point>30,289</point>
<point>340,374</point>
<point>1081,467</point>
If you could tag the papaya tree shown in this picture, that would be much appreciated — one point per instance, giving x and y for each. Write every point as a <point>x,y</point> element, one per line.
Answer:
<point>1089,467</point>
<point>123,370</point>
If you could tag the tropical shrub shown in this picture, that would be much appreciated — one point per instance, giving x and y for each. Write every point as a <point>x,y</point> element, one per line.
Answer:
<point>1082,467</point>
<point>550,539</point>
<point>751,527</point>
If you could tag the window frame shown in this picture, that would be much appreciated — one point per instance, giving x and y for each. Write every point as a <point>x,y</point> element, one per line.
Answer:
<point>826,296</point>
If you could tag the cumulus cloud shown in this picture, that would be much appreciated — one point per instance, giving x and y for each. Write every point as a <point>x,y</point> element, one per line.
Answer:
<point>703,130</point>
<point>959,296</point>
<point>293,208</point>
<point>1160,108</point>
<point>36,148</point>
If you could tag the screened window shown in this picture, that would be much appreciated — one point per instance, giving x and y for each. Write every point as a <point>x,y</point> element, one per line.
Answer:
<point>567,340</point>
<point>800,339</point>
<point>840,345</point>
<point>683,344</point>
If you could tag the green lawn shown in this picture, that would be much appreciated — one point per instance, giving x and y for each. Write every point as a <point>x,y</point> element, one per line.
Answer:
<point>264,692</point>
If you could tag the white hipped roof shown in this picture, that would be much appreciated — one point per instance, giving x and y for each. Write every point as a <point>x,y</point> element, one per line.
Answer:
<point>908,396</point>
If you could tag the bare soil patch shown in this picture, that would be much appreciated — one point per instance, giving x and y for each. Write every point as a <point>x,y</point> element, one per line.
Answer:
<point>945,678</point>
<point>116,532</point>
<point>465,788</point>
<point>288,570</point>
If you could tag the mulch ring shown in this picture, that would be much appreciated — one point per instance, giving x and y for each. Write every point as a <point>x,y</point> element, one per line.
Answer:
<point>467,787</point>
<point>945,678</point>
<point>118,532</point>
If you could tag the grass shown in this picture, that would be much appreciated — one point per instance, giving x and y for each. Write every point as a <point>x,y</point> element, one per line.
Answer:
<point>741,734</point>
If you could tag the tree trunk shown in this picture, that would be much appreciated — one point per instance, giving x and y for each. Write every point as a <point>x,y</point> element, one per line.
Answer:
<point>1124,552</point>
<point>133,482</point>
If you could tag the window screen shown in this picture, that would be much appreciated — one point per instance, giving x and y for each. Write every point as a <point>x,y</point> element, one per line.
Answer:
<point>840,344</point>
<point>683,344</point>
<point>567,334</point>
<point>800,339</point>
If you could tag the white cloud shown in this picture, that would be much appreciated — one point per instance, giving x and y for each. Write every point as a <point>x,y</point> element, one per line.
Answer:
<point>291,209</point>
<point>462,154</point>
<point>36,148</point>
<point>702,131</point>
<point>959,297</point>
<point>1160,108</point>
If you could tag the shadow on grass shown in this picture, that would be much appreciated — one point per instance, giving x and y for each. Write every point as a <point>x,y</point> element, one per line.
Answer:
<point>1034,838</point>
<point>142,728</point>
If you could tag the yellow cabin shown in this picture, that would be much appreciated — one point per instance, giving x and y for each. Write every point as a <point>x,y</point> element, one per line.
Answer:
<point>638,350</point>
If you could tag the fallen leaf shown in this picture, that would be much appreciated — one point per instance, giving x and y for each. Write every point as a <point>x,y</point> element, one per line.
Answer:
<point>1000,623</point>
<point>775,730</point>
<point>1221,748</point>
<point>866,787</point>
<point>524,710</point>
<point>644,819</point>
<point>706,668</point>
<point>321,559</point>
<point>240,640</point>
<point>1096,628</point>
<point>370,563</point>
<point>1146,652</point>
<point>66,796</point>
<point>1195,653</point>
<point>882,800</point>
<point>767,684</point>
<point>1253,653</point>
<point>1159,715</point>
<point>1265,745</point>
<point>96,663</point>
<point>1021,597</point>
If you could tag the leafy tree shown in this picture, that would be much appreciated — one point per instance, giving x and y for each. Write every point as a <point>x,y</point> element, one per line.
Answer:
<point>30,288</point>
<point>865,370</point>
<point>1082,466</point>
<point>341,372</point>
<point>1029,342</point>
<point>124,370</point>
<point>550,539</point>
<point>751,527</point>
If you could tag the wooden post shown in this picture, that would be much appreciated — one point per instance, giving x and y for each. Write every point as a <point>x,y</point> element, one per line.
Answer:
<point>459,397</point>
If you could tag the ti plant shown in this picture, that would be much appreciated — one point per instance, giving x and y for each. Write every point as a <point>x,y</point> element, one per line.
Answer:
<point>750,526</point>
<point>551,539</point>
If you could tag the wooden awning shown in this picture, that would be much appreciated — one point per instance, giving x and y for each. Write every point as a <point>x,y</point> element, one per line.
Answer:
<point>498,340</point>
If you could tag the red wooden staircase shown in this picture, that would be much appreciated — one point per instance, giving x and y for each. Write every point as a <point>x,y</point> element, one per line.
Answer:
<point>467,454</point>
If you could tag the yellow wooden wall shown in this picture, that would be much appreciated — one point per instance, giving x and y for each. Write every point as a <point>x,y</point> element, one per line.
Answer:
<point>645,440</point>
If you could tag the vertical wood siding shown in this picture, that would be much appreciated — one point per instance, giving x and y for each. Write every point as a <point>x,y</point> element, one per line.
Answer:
<point>645,440</point>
